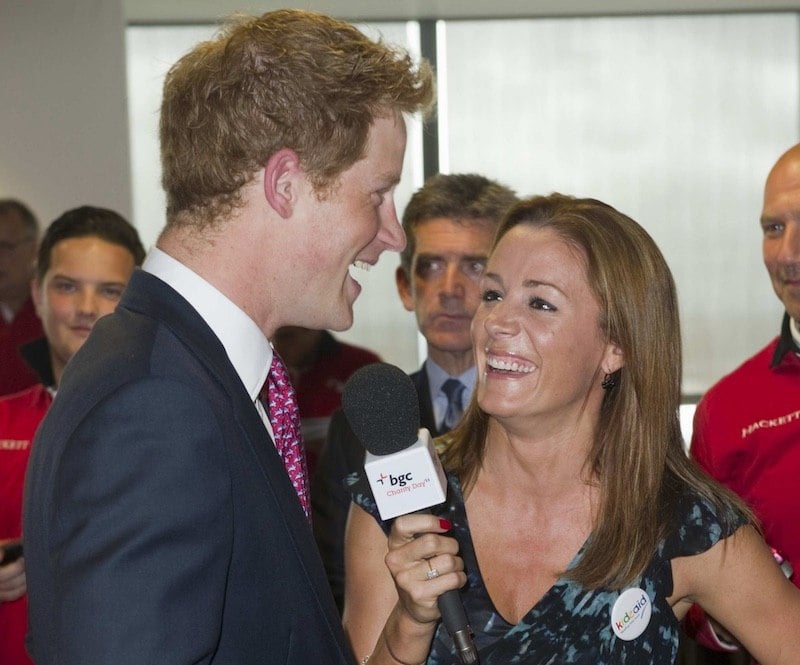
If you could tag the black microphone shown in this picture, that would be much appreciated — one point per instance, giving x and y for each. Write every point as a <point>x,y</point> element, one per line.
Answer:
<point>402,467</point>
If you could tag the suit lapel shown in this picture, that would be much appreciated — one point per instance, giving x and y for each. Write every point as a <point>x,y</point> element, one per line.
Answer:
<point>426,417</point>
<point>152,297</point>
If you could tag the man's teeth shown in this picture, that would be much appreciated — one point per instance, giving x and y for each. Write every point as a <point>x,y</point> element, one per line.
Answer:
<point>507,366</point>
<point>362,265</point>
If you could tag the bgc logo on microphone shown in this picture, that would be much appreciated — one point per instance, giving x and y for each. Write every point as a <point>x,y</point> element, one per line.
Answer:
<point>396,481</point>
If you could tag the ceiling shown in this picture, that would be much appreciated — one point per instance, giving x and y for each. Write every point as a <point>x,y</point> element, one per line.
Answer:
<point>210,11</point>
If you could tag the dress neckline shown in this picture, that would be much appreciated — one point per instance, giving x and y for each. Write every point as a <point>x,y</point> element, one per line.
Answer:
<point>475,576</point>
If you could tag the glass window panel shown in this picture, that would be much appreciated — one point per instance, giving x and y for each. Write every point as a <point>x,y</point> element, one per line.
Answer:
<point>674,120</point>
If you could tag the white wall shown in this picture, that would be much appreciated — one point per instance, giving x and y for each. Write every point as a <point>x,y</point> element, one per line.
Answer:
<point>63,119</point>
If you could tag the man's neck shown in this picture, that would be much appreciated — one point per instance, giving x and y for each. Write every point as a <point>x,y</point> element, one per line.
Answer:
<point>794,329</point>
<point>454,364</point>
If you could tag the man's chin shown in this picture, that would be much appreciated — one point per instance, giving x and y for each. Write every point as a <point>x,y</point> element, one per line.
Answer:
<point>449,343</point>
<point>342,318</point>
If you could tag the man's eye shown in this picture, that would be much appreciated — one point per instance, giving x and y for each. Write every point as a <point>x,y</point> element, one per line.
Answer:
<point>426,268</point>
<point>379,197</point>
<point>64,287</point>
<point>771,230</point>
<point>473,268</point>
<point>112,292</point>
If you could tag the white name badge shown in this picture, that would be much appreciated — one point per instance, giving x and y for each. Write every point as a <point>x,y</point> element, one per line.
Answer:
<point>631,614</point>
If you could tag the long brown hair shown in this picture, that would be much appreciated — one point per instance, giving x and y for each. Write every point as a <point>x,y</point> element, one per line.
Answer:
<point>638,447</point>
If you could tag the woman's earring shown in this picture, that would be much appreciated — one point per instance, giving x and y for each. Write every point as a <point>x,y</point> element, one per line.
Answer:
<point>609,381</point>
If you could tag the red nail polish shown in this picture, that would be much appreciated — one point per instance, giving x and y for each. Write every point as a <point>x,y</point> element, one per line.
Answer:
<point>445,524</point>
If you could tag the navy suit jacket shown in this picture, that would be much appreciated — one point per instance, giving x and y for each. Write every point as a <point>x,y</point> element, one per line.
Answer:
<point>426,418</point>
<point>344,453</point>
<point>160,525</point>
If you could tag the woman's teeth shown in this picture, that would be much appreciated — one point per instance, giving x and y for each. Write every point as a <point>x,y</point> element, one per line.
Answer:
<point>507,366</point>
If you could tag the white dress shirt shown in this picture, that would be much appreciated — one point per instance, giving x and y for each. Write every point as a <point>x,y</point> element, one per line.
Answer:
<point>248,349</point>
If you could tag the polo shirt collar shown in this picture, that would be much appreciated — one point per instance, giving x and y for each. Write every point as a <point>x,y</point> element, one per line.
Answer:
<point>786,342</point>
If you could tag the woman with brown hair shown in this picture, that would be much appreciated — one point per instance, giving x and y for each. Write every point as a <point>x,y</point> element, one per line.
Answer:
<point>582,532</point>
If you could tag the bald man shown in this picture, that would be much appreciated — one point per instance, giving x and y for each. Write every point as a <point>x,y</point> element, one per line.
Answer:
<point>747,426</point>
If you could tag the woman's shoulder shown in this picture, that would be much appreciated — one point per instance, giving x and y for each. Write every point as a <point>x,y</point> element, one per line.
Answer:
<point>698,523</point>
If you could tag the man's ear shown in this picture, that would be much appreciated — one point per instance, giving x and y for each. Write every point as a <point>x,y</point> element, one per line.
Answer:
<point>403,282</point>
<point>280,181</point>
<point>36,295</point>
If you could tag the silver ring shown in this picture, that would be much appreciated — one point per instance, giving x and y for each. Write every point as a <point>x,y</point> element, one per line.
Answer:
<point>432,574</point>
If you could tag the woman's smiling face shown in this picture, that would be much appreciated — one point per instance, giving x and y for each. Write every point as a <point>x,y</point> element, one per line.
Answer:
<point>538,344</point>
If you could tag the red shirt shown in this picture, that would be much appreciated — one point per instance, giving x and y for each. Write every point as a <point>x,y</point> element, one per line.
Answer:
<point>319,390</point>
<point>747,436</point>
<point>20,415</point>
<point>15,375</point>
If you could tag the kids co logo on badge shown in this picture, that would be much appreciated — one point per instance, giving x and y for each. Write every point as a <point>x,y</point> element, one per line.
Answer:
<point>631,614</point>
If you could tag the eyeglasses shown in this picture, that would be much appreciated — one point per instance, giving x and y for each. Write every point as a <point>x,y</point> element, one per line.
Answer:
<point>7,248</point>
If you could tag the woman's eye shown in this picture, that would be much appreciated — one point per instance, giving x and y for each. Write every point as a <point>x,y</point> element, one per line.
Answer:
<point>490,295</point>
<point>539,303</point>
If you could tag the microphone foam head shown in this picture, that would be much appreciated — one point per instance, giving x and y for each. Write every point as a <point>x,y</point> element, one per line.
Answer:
<point>381,405</point>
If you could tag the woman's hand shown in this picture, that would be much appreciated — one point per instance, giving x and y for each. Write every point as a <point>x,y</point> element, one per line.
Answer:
<point>390,608</point>
<point>424,564</point>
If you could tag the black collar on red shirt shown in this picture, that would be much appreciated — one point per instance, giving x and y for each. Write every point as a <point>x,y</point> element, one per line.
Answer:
<point>37,355</point>
<point>786,343</point>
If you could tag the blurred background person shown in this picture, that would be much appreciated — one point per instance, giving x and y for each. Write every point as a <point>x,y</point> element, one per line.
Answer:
<point>85,259</point>
<point>19,232</point>
<point>319,365</point>
<point>449,225</point>
<point>747,426</point>
<point>581,530</point>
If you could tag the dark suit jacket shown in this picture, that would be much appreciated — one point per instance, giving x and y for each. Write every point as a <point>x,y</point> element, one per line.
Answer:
<point>344,453</point>
<point>160,525</point>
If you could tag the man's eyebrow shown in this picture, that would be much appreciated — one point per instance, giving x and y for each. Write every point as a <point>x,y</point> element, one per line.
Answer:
<point>792,216</point>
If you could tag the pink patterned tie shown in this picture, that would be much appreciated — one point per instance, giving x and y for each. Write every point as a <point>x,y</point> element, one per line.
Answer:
<point>279,397</point>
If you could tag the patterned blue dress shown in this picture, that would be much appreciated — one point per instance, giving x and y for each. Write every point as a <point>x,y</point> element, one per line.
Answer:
<point>571,624</point>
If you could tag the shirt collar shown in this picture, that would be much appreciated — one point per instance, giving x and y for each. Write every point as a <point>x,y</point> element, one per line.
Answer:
<point>437,376</point>
<point>248,349</point>
<point>6,313</point>
<point>789,341</point>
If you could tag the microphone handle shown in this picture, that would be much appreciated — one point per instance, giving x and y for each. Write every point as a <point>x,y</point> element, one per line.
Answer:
<point>455,620</point>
